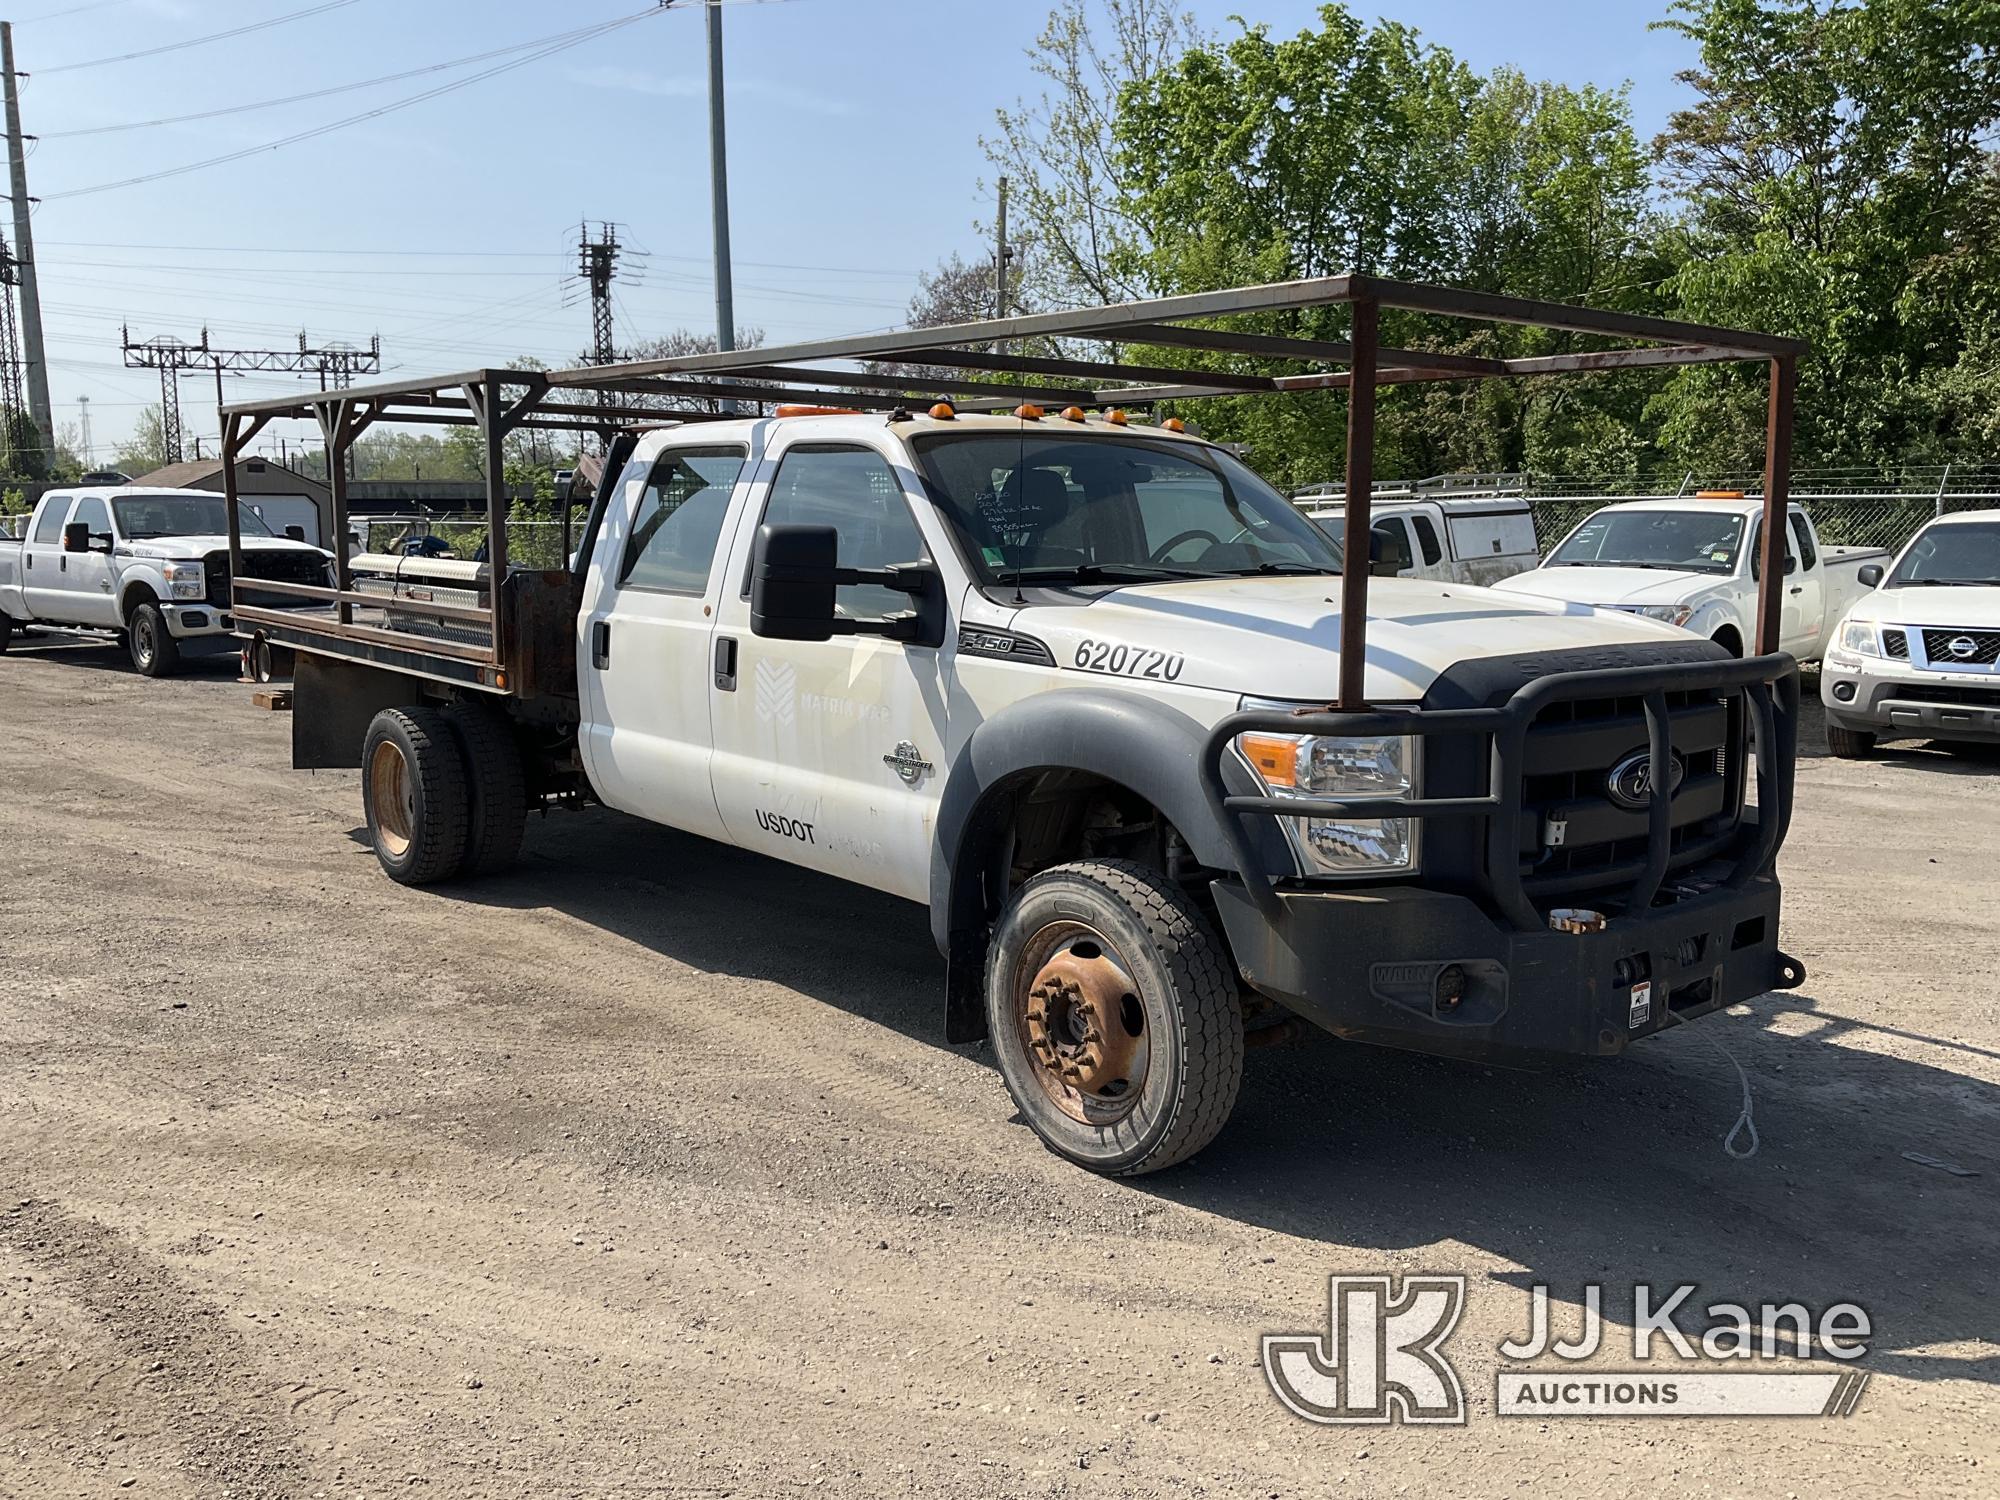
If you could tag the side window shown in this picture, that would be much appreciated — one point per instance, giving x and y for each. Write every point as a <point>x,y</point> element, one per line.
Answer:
<point>1757,548</point>
<point>49,528</point>
<point>1808,554</point>
<point>94,513</point>
<point>854,491</point>
<point>679,519</point>
<point>1427,538</point>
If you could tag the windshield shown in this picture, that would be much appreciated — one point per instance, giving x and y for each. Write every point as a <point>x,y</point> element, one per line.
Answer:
<point>1690,541</point>
<point>1055,509</point>
<point>188,514</point>
<point>1955,554</point>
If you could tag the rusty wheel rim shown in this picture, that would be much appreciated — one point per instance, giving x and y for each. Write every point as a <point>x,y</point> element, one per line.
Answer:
<point>391,795</point>
<point>1082,1023</point>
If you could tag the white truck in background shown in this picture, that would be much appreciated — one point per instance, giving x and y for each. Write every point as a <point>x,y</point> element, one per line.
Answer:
<point>1478,539</point>
<point>147,566</point>
<point>1919,655</point>
<point>1695,563</point>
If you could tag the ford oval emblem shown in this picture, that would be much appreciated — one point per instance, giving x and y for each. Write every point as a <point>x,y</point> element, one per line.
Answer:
<point>1962,645</point>
<point>1630,783</point>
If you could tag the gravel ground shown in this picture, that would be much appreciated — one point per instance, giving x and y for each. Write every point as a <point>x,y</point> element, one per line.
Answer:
<point>645,1170</point>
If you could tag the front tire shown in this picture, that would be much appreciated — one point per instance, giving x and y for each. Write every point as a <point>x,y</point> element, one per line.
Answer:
<point>1849,744</point>
<point>1114,1015</point>
<point>413,792</point>
<point>6,633</point>
<point>155,652</point>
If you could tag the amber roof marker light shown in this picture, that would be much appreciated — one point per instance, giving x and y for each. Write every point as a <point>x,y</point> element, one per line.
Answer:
<point>1027,411</point>
<point>944,411</point>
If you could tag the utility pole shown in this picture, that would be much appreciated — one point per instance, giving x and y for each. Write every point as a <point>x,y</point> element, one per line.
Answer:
<point>83,425</point>
<point>24,249</point>
<point>718,185</point>
<point>1001,256</point>
<point>12,410</point>
<point>597,262</point>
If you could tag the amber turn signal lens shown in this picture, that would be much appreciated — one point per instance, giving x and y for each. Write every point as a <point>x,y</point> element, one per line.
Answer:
<point>1275,757</point>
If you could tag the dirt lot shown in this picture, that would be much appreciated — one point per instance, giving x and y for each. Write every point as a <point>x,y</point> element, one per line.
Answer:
<point>646,1171</point>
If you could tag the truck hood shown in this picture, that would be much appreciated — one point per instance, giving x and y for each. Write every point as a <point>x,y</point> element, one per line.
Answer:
<point>1611,586</point>
<point>1922,606</point>
<point>165,547</point>
<point>1280,637</point>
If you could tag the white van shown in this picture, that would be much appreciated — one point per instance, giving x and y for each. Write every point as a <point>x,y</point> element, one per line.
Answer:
<point>1476,539</point>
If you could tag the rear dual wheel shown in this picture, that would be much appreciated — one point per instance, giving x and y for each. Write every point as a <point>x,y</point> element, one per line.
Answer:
<point>1114,1016</point>
<point>442,791</point>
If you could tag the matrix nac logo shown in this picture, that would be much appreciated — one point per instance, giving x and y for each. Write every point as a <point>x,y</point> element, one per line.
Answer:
<point>1381,1359</point>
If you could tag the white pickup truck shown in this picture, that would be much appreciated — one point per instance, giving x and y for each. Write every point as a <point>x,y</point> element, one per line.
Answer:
<point>1919,656</point>
<point>1695,563</point>
<point>1450,539</point>
<point>1065,680</point>
<point>150,566</point>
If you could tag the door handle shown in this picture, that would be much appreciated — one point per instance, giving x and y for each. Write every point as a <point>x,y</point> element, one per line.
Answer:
<point>62,564</point>
<point>600,644</point>
<point>725,663</point>
<point>1800,589</point>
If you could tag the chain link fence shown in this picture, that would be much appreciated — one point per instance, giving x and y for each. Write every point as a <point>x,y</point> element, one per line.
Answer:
<point>530,544</point>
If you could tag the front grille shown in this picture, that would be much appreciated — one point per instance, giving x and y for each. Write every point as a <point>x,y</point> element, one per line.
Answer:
<point>1943,692</point>
<point>1572,751</point>
<point>1962,648</point>
<point>284,566</point>
<point>1895,643</point>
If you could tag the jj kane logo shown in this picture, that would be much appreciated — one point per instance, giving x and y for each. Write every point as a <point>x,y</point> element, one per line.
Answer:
<point>1382,1358</point>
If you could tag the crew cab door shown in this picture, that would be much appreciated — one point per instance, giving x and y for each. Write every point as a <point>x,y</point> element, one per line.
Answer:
<point>830,753</point>
<point>1807,587</point>
<point>643,662</point>
<point>89,587</point>
<point>1797,595</point>
<point>44,566</point>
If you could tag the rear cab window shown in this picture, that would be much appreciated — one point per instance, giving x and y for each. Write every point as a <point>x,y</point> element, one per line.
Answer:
<point>49,524</point>
<point>678,522</point>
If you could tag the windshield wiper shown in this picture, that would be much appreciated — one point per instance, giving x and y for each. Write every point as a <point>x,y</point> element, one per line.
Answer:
<point>1090,572</point>
<point>1286,569</point>
<point>1951,583</point>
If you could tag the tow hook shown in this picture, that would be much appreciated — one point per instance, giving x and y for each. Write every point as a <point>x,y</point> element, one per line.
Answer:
<point>1791,973</point>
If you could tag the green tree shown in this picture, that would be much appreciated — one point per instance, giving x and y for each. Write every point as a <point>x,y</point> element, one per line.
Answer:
<point>1838,185</point>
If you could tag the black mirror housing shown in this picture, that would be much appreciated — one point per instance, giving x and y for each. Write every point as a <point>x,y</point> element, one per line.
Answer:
<point>1870,575</point>
<point>76,537</point>
<point>793,573</point>
<point>296,533</point>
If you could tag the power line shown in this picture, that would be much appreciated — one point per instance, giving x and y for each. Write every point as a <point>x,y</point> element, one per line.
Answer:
<point>214,36</point>
<point>340,88</point>
<point>371,114</point>
<point>762,265</point>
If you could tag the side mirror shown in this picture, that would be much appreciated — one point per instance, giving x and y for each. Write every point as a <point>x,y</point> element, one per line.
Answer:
<point>1388,555</point>
<point>296,533</point>
<point>1791,566</point>
<point>1870,575</point>
<point>76,537</point>
<point>792,577</point>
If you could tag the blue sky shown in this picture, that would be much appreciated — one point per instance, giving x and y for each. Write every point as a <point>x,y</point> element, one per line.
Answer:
<point>854,163</point>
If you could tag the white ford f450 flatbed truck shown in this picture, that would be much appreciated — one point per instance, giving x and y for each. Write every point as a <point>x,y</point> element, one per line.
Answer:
<point>1919,654</point>
<point>148,565</point>
<point>1070,681</point>
<point>1696,563</point>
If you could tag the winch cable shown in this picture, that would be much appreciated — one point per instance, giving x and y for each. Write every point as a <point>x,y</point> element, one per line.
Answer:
<point>1746,1119</point>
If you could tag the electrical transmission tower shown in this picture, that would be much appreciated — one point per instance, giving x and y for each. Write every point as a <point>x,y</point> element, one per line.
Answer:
<point>597,263</point>
<point>13,407</point>
<point>335,364</point>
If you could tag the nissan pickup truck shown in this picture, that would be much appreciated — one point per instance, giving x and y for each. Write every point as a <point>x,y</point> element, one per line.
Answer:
<point>1695,563</point>
<point>1066,680</point>
<point>1919,655</point>
<point>147,566</point>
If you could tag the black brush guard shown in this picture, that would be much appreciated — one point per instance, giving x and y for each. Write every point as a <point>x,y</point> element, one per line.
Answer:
<point>1361,958</point>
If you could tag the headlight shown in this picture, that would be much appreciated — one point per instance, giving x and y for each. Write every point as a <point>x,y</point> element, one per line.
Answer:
<point>1672,614</point>
<point>184,578</point>
<point>1860,637</point>
<point>1361,768</point>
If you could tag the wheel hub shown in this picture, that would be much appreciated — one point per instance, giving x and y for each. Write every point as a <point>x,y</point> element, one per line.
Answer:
<point>1084,1024</point>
